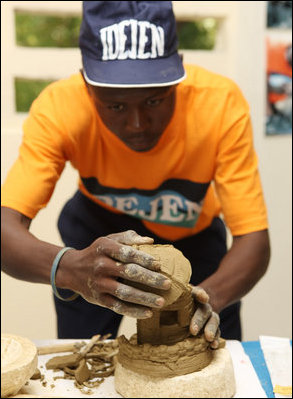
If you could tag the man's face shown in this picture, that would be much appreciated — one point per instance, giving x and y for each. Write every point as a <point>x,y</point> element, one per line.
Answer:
<point>137,116</point>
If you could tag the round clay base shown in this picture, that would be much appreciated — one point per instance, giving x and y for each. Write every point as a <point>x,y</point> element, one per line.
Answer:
<point>19,361</point>
<point>214,381</point>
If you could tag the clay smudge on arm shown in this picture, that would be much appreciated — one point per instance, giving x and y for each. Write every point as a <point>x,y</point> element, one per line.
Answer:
<point>91,286</point>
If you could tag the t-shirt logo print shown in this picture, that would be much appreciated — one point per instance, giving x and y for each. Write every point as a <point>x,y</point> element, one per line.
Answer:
<point>132,39</point>
<point>176,202</point>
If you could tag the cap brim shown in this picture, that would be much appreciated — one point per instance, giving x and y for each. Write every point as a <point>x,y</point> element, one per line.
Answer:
<point>134,73</point>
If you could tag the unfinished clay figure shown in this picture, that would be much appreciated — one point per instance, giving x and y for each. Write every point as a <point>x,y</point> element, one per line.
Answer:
<point>163,353</point>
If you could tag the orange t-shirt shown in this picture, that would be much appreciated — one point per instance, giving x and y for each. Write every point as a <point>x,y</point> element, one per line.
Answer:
<point>203,164</point>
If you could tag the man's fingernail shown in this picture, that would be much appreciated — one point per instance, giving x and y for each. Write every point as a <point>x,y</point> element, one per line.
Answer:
<point>167,284</point>
<point>156,264</point>
<point>214,344</point>
<point>210,337</point>
<point>160,301</point>
<point>195,329</point>
<point>141,239</point>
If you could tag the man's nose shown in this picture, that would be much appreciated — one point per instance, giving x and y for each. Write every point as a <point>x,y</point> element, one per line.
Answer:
<point>136,120</point>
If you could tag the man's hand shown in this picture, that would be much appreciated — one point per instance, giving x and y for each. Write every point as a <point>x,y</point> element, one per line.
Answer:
<point>96,271</point>
<point>205,317</point>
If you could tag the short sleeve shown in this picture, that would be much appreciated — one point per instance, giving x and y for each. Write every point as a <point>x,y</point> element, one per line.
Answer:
<point>42,155</point>
<point>237,179</point>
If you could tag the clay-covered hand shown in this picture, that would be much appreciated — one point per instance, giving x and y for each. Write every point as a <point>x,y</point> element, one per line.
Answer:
<point>204,317</point>
<point>100,271</point>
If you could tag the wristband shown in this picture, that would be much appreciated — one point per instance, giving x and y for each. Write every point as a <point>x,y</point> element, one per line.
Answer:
<point>53,275</point>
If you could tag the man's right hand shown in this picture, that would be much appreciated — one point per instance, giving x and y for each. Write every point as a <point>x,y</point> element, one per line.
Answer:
<point>96,273</point>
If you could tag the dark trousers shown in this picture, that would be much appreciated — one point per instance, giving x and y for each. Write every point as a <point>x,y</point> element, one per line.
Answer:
<point>82,221</point>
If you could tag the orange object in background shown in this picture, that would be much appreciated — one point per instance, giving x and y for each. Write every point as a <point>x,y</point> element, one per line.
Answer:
<point>279,61</point>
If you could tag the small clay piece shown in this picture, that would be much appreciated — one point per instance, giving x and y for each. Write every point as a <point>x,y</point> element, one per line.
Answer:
<point>89,346</point>
<point>82,373</point>
<point>19,361</point>
<point>36,375</point>
<point>59,362</point>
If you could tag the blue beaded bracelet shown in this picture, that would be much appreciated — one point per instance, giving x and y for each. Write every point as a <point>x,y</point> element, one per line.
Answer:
<point>53,275</point>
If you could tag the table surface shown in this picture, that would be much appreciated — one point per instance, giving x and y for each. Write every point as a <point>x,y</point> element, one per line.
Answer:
<point>254,351</point>
<point>251,374</point>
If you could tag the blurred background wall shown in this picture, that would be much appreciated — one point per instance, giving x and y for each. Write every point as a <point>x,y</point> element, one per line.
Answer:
<point>234,35</point>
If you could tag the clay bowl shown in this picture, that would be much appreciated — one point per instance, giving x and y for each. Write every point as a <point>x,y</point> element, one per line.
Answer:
<point>19,361</point>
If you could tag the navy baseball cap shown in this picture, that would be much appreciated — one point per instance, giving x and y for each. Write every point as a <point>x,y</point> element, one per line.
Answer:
<point>130,44</point>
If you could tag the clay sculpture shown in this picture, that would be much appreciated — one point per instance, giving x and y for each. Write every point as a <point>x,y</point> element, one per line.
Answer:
<point>163,359</point>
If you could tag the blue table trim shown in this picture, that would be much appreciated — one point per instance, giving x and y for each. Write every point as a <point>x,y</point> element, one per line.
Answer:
<point>255,353</point>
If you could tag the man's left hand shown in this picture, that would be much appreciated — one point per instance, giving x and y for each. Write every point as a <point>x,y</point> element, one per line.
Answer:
<point>205,317</point>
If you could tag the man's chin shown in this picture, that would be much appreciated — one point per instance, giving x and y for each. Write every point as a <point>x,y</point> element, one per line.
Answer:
<point>141,146</point>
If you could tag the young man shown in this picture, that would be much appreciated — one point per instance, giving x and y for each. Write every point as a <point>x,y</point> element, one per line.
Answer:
<point>161,151</point>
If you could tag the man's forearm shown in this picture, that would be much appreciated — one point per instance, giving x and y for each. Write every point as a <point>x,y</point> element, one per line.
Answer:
<point>241,268</point>
<point>23,256</point>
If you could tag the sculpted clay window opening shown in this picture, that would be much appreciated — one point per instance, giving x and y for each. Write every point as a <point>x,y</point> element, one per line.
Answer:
<point>168,317</point>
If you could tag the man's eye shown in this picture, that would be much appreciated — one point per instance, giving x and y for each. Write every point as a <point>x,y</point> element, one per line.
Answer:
<point>154,103</point>
<point>116,107</point>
